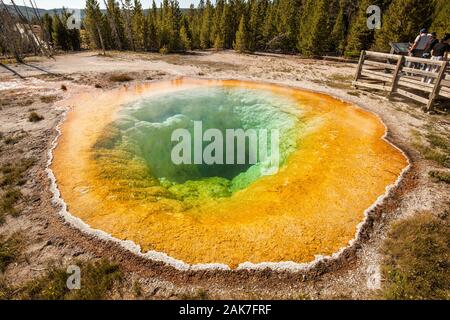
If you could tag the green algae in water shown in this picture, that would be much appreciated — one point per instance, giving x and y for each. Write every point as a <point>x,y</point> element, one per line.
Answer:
<point>137,147</point>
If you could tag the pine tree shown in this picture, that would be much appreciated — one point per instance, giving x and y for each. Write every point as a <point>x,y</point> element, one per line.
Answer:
<point>185,36</point>
<point>257,15</point>
<point>194,18</point>
<point>126,14</point>
<point>176,17</point>
<point>226,27</point>
<point>138,25</point>
<point>151,38</point>
<point>403,21</point>
<point>269,30</point>
<point>92,23</point>
<point>216,32</point>
<point>224,37</point>
<point>236,8</point>
<point>164,25</point>
<point>338,35</point>
<point>242,37</point>
<point>360,36</point>
<point>206,32</point>
<point>48,28</point>
<point>441,20</point>
<point>107,33</point>
<point>289,15</point>
<point>60,33</point>
<point>315,29</point>
<point>116,24</point>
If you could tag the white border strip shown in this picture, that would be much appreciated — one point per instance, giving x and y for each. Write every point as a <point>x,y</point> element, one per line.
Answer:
<point>183,266</point>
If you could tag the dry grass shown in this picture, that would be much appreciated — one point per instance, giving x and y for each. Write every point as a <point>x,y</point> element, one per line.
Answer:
<point>439,141</point>
<point>97,280</point>
<point>8,202</point>
<point>197,295</point>
<point>13,173</point>
<point>417,260</point>
<point>337,81</point>
<point>9,250</point>
<point>11,140</point>
<point>432,146</point>
<point>354,93</point>
<point>440,176</point>
<point>120,78</point>
<point>49,99</point>
<point>12,176</point>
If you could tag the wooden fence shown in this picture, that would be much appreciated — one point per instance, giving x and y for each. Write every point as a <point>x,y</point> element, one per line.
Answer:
<point>420,79</point>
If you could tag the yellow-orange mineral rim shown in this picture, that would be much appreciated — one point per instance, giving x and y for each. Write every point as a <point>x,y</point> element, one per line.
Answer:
<point>114,170</point>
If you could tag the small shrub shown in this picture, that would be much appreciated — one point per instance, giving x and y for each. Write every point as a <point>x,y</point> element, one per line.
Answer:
<point>438,141</point>
<point>25,103</point>
<point>164,50</point>
<point>13,174</point>
<point>98,86</point>
<point>436,156</point>
<point>440,176</point>
<point>49,99</point>
<point>199,295</point>
<point>97,279</point>
<point>417,260</point>
<point>354,93</point>
<point>429,153</point>
<point>120,78</point>
<point>9,200</point>
<point>63,87</point>
<point>9,250</point>
<point>34,117</point>
<point>11,140</point>
<point>137,289</point>
<point>6,292</point>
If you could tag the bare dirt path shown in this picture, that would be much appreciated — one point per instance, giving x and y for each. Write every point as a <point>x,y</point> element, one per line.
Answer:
<point>49,241</point>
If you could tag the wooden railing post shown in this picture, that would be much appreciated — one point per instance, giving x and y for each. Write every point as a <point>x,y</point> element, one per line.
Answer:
<point>395,76</point>
<point>437,86</point>
<point>360,65</point>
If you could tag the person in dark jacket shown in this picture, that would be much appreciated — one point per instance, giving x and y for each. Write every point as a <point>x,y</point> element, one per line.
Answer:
<point>439,53</point>
<point>431,43</point>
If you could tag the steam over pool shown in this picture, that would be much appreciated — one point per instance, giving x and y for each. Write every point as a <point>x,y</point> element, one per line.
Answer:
<point>115,171</point>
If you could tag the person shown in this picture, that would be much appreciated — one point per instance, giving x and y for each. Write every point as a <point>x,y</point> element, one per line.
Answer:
<point>419,44</point>
<point>439,53</point>
<point>418,47</point>
<point>432,41</point>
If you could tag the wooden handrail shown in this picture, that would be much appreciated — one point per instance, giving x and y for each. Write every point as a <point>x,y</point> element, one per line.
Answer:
<point>379,64</point>
<point>425,73</point>
<point>424,61</point>
<point>395,77</point>
<point>382,55</point>
<point>437,87</point>
<point>403,77</point>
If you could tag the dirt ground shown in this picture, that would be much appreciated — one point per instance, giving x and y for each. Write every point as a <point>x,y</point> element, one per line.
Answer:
<point>43,85</point>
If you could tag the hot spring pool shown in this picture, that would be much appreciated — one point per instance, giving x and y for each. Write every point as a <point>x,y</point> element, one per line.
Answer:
<point>115,170</point>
